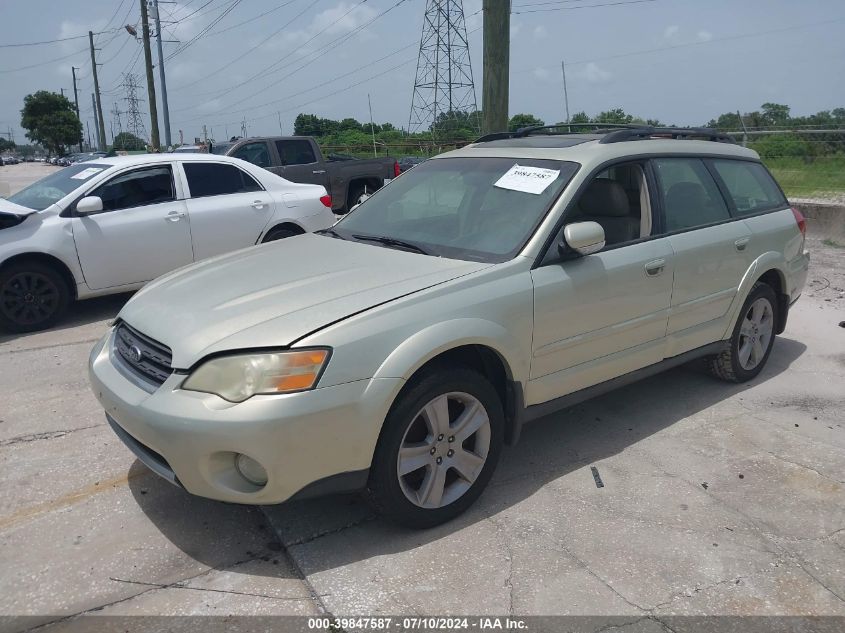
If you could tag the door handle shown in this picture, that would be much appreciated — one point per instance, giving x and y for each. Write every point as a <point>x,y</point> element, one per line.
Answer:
<point>319,171</point>
<point>258,204</point>
<point>741,243</point>
<point>174,216</point>
<point>654,268</point>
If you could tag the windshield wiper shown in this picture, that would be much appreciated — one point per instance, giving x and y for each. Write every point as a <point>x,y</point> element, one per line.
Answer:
<point>331,232</point>
<point>392,241</point>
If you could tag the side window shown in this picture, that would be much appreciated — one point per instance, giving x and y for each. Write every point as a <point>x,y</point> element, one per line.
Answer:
<point>618,200</point>
<point>217,179</point>
<point>296,152</point>
<point>255,153</point>
<point>690,195</point>
<point>750,185</point>
<point>137,188</point>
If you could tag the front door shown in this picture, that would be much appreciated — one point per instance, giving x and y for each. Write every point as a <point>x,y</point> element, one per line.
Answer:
<point>600,316</point>
<point>142,232</point>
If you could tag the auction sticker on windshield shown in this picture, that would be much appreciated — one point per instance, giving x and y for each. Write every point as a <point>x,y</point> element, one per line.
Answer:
<point>527,179</point>
<point>86,173</point>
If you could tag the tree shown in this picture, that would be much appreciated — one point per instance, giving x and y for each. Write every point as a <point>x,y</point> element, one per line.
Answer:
<point>128,141</point>
<point>775,114</point>
<point>6,145</point>
<point>617,115</point>
<point>307,125</point>
<point>518,121</point>
<point>50,120</point>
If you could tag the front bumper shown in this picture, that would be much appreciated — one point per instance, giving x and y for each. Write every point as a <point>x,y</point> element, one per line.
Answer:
<point>192,438</point>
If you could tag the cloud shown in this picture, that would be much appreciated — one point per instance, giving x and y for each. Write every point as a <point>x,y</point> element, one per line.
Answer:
<point>540,32</point>
<point>594,74</point>
<point>516,28</point>
<point>541,74</point>
<point>671,31</point>
<point>704,36</point>
<point>338,20</point>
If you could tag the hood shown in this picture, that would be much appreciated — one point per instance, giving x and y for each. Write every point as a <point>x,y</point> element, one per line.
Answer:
<point>274,294</point>
<point>10,208</point>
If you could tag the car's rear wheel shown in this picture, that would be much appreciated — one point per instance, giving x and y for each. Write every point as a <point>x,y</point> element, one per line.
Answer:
<point>438,449</point>
<point>753,336</point>
<point>33,296</point>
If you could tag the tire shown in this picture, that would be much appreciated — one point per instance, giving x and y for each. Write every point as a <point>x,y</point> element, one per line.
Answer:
<point>752,339</point>
<point>355,196</point>
<point>279,234</point>
<point>33,296</point>
<point>452,472</point>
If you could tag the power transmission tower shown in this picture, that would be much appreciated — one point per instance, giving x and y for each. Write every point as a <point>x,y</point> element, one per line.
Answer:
<point>444,89</point>
<point>115,118</point>
<point>134,122</point>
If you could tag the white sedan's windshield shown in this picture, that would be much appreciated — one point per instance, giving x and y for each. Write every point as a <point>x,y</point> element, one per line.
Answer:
<point>41,194</point>
<point>475,208</point>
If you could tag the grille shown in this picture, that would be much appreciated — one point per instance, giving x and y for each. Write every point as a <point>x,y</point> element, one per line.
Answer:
<point>144,357</point>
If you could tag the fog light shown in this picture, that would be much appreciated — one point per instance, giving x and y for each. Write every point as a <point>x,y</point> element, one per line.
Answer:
<point>251,470</point>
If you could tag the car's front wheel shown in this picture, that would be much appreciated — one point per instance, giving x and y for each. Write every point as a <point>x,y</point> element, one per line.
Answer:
<point>33,296</point>
<point>753,336</point>
<point>438,449</point>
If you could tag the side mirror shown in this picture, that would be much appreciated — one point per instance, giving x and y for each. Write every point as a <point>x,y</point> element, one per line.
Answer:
<point>89,205</point>
<point>585,238</point>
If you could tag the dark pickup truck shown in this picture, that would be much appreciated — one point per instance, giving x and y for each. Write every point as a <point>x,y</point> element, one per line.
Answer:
<point>298,158</point>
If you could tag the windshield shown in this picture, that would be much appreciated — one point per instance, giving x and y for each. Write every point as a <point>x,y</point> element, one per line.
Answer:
<point>480,209</point>
<point>42,193</point>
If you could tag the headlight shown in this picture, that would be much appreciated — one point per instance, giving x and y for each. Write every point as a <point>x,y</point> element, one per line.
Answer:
<point>239,377</point>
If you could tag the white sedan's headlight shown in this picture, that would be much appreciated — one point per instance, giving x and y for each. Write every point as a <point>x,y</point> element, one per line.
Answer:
<point>239,377</point>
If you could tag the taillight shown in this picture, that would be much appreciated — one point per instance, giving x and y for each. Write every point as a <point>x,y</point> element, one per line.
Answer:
<point>326,200</point>
<point>396,170</point>
<point>800,220</point>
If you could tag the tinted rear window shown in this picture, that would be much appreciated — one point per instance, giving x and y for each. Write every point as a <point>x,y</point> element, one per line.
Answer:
<point>750,185</point>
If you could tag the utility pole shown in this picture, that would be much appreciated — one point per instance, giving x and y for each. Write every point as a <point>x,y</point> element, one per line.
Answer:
<point>96,122</point>
<point>101,129</point>
<point>372,127</point>
<point>62,90</point>
<point>164,105</point>
<point>495,91</point>
<point>565,93</point>
<point>73,70</point>
<point>279,114</point>
<point>151,88</point>
<point>744,129</point>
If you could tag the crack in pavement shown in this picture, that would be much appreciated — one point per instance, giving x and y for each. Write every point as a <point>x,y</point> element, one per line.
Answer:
<point>43,347</point>
<point>313,537</point>
<point>180,585</point>
<point>500,534</point>
<point>46,435</point>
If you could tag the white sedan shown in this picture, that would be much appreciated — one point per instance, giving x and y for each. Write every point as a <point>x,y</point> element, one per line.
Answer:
<point>113,224</point>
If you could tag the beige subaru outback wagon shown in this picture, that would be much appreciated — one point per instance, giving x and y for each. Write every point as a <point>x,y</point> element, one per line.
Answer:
<point>400,350</point>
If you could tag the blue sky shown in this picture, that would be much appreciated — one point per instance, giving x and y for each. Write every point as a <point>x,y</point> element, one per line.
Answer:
<point>707,57</point>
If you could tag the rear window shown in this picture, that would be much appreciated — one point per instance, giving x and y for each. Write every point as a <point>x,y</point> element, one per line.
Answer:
<point>750,186</point>
<point>690,196</point>
<point>295,152</point>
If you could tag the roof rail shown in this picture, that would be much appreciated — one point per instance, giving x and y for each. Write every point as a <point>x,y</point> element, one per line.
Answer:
<point>646,132</point>
<point>617,132</point>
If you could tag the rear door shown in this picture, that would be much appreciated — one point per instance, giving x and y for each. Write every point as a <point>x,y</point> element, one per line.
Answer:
<point>710,251</point>
<point>228,207</point>
<point>300,163</point>
<point>141,233</point>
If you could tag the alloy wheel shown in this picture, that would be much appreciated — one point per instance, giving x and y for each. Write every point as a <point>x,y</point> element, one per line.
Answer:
<point>444,450</point>
<point>755,334</point>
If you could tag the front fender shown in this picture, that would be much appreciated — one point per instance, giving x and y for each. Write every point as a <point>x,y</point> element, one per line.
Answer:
<point>432,341</point>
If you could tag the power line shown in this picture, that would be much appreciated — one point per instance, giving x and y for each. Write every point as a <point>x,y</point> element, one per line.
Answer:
<point>49,61</point>
<point>63,39</point>
<point>248,51</point>
<point>585,6</point>
<point>204,31</point>
<point>253,19</point>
